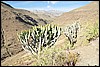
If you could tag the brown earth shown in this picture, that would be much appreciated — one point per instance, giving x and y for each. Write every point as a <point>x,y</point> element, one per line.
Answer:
<point>87,13</point>
<point>11,26</point>
<point>13,21</point>
<point>88,55</point>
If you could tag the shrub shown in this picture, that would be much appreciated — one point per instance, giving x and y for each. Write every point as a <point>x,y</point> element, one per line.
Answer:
<point>52,57</point>
<point>92,31</point>
<point>72,58</point>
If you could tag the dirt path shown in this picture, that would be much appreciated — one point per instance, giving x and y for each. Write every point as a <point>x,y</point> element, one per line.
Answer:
<point>89,55</point>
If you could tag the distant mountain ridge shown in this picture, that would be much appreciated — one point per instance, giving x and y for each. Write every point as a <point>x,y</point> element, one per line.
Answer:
<point>51,13</point>
<point>15,20</point>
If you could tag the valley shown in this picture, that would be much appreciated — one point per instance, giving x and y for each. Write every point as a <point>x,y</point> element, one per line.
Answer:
<point>14,20</point>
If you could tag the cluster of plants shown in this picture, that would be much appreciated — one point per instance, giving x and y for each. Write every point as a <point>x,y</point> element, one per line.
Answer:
<point>51,57</point>
<point>57,57</point>
<point>38,40</point>
<point>39,37</point>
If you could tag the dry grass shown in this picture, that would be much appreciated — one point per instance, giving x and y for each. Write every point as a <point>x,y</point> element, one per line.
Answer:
<point>72,58</point>
<point>55,56</point>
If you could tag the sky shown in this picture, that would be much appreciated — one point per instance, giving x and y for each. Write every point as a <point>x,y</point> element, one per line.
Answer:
<point>64,6</point>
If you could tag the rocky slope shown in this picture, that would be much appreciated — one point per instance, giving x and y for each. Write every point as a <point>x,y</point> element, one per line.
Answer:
<point>87,13</point>
<point>12,22</point>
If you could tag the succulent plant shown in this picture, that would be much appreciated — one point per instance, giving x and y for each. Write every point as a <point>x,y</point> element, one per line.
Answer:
<point>71,32</point>
<point>39,37</point>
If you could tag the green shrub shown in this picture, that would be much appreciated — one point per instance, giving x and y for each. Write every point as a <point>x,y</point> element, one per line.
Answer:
<point>93,31</point>
<point>52,57</point>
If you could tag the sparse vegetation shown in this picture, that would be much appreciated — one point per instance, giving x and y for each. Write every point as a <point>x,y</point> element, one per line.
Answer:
<point>57,57</point>
<point>72,58</point>
<point>52,57</point>
<point>93,31</point>
<point>45,45</point>
<point>42,37</point>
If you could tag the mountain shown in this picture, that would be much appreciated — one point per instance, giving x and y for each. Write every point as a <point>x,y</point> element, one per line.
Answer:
<point>87,13</point>
<point>14,21</point>
<point>55,12</point>
<point>50,13</point>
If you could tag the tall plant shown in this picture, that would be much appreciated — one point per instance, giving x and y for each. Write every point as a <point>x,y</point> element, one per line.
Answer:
<point>71,32</point>
<point>39,37</point>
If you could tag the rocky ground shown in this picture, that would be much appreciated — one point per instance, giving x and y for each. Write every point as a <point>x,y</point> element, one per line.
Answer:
<point>89,56</point>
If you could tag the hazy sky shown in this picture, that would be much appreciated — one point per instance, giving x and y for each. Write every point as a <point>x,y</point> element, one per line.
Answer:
<point>47,5</point>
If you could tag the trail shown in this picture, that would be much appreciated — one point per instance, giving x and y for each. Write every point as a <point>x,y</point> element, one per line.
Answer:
<point>89,55</point>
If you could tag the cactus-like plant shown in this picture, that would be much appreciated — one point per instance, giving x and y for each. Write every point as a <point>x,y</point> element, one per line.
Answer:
<point>39,37</point>
<point>71,32</point>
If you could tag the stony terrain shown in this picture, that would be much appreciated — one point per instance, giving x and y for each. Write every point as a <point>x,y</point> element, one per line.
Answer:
<point>14,21</point>
<point>89,55</point>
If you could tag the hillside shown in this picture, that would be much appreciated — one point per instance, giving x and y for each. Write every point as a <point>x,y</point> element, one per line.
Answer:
<point>14,21</point>
<point>89,12</point>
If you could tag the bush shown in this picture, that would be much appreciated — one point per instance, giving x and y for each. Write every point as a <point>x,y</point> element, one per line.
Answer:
<point>72,58</point>
<point>52,57</point>
<point>93,31</point>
